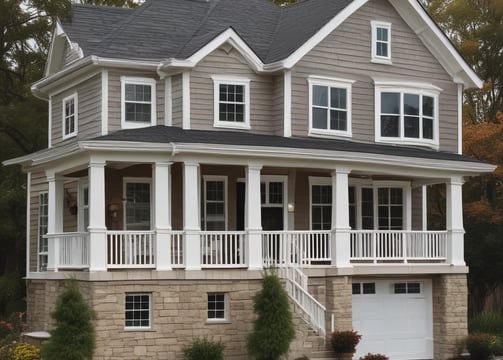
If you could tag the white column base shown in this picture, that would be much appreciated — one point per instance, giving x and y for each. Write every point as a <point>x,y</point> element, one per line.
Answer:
<point>254,246</point>
<point>341,248</point>
<point>163,249</point>
<point>97,249</point>
<point>192,250</point>
<point>455,247</point>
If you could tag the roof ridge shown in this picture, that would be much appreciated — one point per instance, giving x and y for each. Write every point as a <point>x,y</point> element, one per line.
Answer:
<point>213,5</point>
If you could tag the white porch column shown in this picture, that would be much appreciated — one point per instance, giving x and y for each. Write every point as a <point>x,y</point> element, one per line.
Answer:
<point>191,218</point>
<point>253,217</point>
<point>162,214</point>
<point>454,221</point>
<point>341,249</point>
<point>55,205</point>
<point>97,227</point>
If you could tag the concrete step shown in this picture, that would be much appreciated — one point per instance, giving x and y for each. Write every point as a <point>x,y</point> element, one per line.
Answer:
<point>322,355</point>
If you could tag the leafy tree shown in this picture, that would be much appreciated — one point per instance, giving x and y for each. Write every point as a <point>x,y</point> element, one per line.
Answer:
<point>476,29</point>
<point>273,329</point>
<point>73,337</point>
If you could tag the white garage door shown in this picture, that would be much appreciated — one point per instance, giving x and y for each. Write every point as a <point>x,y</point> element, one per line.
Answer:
<point>394,318</point>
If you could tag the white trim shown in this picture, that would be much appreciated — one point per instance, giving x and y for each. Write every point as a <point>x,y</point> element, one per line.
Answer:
<point>104,102</point>
<point>407,88</point>
<point>83,185</point>
<point>226,308</point>
<point>73,97</point>
<point>153,110</point>
<point>186,100</point>
<point>424,207</point>
<point>168,101</point>
<point>28,221</point>
<point>380,59</point>
<point>287,103</point>
<point>49,123</point>
<point>460,119</point>
<point>231,80</point>
<point>330,82</point>
<point>136,180</point>
<point>39,235</point>
<point>220,178</point>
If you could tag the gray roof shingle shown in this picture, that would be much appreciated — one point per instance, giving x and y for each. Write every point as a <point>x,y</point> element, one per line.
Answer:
<point>168,134</point>
<point>161,29</point>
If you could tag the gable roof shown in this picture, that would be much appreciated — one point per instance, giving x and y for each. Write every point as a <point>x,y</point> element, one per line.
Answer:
<point>174,32</point>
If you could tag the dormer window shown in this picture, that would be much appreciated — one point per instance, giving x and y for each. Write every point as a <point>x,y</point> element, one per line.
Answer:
<point>330,106</point>
<point>70,114</point>
<point>381,42</point>
<point>138,102</point>
<point>407,115</point>
<point>231,102</point>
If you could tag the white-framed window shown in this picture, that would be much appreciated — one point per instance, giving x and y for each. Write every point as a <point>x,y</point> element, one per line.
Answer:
<point>217,306</point>
<point>70,116</point>
<point>138,311</point>
<point>215,200</point>
<point>407,115</point>
<point>137,204</point>
<point>83,212</point>
<point>138,102</point>
<point>43,218</point>
<point>381,42</point>
<point>231,102</point>
<point>273,200</point>
<point>321,203</point>
<point>329,106</point>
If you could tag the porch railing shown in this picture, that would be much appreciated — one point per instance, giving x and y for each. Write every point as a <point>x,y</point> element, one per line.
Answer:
<point>73,250</point>
<point>296,287</point>
<point>177,249</point>
<point>223,248</point>
<point>295,247</point>
<point>377,245</point>
<point>134,249</point>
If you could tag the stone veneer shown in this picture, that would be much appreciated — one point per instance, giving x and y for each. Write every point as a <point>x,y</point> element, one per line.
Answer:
<point>179,313</point>
<point>450,306</point>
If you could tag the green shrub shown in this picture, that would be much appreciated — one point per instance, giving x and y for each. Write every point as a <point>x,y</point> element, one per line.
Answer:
<point>370,356</point>
<point>344,341</point>
<point>74,337</point>
<point>487,322</point>
<point>204,349</point>
<point>480,345</point>
<point>273,329</point>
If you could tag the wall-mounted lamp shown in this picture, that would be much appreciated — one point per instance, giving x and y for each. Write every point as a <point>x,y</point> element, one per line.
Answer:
<point>291,207</point>
<point>113,210</point>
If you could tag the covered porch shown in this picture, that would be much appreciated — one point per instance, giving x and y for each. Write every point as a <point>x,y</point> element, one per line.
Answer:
<point>194,215</point>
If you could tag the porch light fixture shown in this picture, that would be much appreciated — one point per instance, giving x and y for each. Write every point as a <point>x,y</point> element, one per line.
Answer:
<point>291,207</point>
<point>113,210</point>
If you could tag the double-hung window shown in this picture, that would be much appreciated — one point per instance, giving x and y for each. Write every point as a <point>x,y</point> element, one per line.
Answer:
<point>137,200</point>
<point>137,312</point>
<point>407,115</point>
<point>138,105</point>
<point>381,42</point>
<point>330,106</point>
<point>321,204</point>
<point>70,116</point>
<point>217,306</point>
<point>231,102</point>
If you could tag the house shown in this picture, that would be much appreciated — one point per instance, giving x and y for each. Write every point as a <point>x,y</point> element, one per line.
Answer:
<point>193,142</point>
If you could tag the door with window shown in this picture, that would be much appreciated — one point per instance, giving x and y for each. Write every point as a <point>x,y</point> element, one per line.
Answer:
<point>137,204</point>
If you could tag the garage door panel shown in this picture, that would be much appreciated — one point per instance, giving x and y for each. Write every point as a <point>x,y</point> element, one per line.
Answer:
<point>398,325</point>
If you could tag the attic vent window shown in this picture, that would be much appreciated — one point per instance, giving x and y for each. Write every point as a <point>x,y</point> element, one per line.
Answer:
<point>231,102</point>
<point>137,102</point>
<point>381,42</point>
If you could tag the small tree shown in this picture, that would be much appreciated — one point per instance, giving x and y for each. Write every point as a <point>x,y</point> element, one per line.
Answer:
<point>273,329</point>
<point>74,337</point>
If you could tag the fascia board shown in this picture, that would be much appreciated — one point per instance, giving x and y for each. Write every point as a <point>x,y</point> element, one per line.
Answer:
<point>229,36</point>
<point>466,168</point>
<point>436,41</point>
<point>42,87</point>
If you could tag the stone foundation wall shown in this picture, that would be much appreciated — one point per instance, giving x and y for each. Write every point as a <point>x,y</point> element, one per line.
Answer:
<point>179,315</point>
<point>450,306</point>
<point>339,302</point>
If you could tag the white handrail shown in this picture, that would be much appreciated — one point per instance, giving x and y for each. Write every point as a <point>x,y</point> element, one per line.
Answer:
<point>73,250</point>
<point>131,249</point>
<point>296,287</point>
<point>223,249</point>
